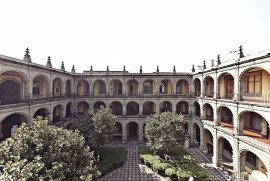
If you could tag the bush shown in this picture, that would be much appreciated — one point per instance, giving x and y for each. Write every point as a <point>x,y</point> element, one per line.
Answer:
<point>111,158</point>
<point>181,166</point>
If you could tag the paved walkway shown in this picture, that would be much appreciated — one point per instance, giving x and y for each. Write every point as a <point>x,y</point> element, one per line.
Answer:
<point>132,170</point>
<point>214,173</point>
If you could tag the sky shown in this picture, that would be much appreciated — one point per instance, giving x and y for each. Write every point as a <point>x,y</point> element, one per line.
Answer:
<point>133,33</point>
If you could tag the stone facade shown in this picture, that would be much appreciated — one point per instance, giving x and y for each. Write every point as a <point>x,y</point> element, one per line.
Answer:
<point>226,106</point>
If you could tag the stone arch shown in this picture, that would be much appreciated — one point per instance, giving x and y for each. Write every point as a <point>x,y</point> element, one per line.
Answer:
<point>133,130</point>
<point>132,87</point>
<point>98,104</point>
<point>132,108</point>
<point>197,109</point>
<point>254,84</point>
<point>43,112</point>
<point>166,87</point>
<point>149,107</point>
<point>182,87</point>
<point>149,86</point>
<point>196,134</point>
<point>225,86</point>
<point>13,87</point>
<point>116,108</point>
<point>208,112</point>
<point>83,88</point>
<point>225,149</point>
<point>165,106</point>
<point>208,142</point>
<point>68,88</point>
<point>58,113</point>
<point>69,110</point>
<point>115,87</point>
<point>253,124</point>
<point>57,87</point>
<point>208,86</point>
<point>12,121</point>
<point>182,107</point>
<point>82,107</point>
<point>99,87</point>
<point>225,117</point>
<point>119,130</point>
<point>255,162</point>
<point>197,86</point>
<point>41,86</point>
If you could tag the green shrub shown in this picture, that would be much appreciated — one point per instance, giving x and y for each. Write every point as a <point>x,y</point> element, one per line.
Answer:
<point>111,158</point>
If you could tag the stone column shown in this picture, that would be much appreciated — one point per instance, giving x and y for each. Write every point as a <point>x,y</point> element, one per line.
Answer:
<point>140,133</point>
<point>140,108</point>
<point>124,109</point>
<point>173,107</point>
<point>215,152</point>
<point>203,144</point>
<point>124,133</point>
<point>236,88</point>
<point>1,131</point>
<point>202,87</point>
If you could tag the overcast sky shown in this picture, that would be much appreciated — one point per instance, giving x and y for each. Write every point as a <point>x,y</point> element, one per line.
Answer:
<point>133,33</point>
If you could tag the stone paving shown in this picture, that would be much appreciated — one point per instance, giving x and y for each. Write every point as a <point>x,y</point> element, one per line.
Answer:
<point>214,173</point>
<point>132,170</point>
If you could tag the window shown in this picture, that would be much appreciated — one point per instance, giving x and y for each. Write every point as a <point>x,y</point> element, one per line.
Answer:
<point>254,83</point>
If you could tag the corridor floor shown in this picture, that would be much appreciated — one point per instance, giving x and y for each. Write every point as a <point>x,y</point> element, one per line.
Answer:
<point>132,170</point>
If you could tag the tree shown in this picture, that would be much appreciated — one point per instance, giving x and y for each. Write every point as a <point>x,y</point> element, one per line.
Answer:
<point>165,130</point>
<point>97,126</point>
<point>45,152</point>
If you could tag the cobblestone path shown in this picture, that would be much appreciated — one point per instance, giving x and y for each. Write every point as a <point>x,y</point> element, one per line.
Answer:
<point>214,173</point>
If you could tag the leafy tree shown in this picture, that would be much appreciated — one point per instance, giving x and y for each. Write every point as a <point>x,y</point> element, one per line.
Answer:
<point>97,126</point>
<point>45,152</point>
<point>165,130</point>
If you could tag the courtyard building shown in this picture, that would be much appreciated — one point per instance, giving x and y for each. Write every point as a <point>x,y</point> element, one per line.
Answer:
<point>225,106</point>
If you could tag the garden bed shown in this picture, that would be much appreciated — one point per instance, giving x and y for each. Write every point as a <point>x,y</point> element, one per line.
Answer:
<point>110,159</point>
<point>179,165</point>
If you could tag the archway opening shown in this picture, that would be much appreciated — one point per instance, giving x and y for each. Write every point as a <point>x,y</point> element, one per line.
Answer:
<point>165,87</point>
<point>115,87</point>
<point>133,130</point>
<point>197,109</point>
<point>226,86</point>
<point>225,117</point>
<point>196,135</point>
<point>197,87</point>
<point>252,167</point>
<point>182,108</point>
<point>82,107</point>
<point>149,108</point>
<point>132,109</point>
<point>68,110</point>
<point>57,113</point>
<point>132,87</point>
<point>182,87</point>
<point>68,88</point>
<point>40,87</point>
<point>42,112</point>
<point>11,122</point>
<point>12,88</point>
<point>116,108</point>
<point>165,106</point>
<point>57,87</point>
<point>209,86</point>
<point>98,104</point>
<point>255,126</point>
<point>149,87</point>
<point>225,153</point>
<point>99,87</point>
<point>208,112</point>
<point>118,133</point>
<point>208,144</point>
<point>83,88</point>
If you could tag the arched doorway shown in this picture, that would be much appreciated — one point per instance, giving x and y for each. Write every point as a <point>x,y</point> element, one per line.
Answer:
<point>208,112</point>
<point>132,87</point>
<point>197,87</point>
<point>12,121</point>
<point>132,108</point>
<point>165,87</point>
<point>68,88</point>
<point>57,113</point>
<point>68,110</point>
<point>225,117</point>
<point>197,109</point>
<point>98,104</point>
<point>208,144</point>
<point>182,108</point>
<point>208,86</point>
<point>133,130</point>
<point>82,88</point>
<point>99,88</point>
<point>182,87</point>
<point>225,86</point>
<point>149,87</point>
<point>149,108</point>
<point>165,106</point>
<point>57,87</point>
<point>119,131</point>
<point>115,87</point>
<point>40,87</point>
